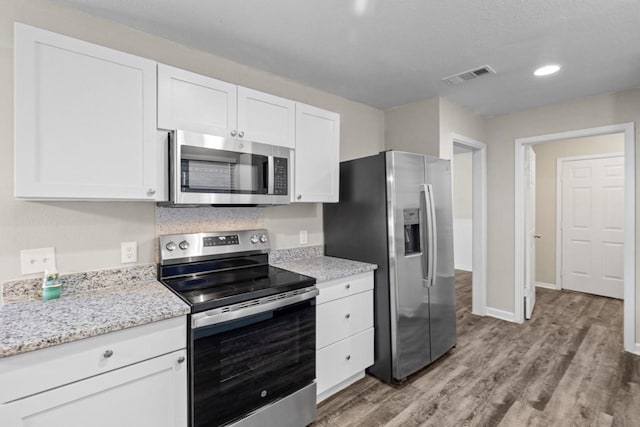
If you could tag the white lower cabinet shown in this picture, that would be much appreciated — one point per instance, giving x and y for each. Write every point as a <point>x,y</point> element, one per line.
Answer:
<point>147,391</point>
<point>344,332</point>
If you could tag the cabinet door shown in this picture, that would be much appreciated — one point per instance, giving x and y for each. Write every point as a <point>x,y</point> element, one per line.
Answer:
<point>317,155</point>
<point>265,118</point>
<point>194,102</point>
<point>85,120</point>
<point>148,394</point>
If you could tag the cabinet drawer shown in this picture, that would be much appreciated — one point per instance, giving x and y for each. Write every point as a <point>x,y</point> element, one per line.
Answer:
<point>344,359</point>
<point>344,287</point>
<point>41,370</point>
<point>341,318</point>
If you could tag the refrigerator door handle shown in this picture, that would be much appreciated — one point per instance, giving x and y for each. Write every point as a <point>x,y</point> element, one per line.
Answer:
<point>431,238</point>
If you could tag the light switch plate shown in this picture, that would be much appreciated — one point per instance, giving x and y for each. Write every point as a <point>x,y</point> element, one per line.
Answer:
<point>304,237</point>
<point>37,260</point>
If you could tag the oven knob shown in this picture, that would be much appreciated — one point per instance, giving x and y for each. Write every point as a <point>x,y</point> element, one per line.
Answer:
<point>184,245</point>
<point>171,246</point>
<point>254,239</point>
<point>263,238</point>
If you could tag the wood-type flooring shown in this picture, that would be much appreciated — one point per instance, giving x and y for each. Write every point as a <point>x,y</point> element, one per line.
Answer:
<point>565,367</point>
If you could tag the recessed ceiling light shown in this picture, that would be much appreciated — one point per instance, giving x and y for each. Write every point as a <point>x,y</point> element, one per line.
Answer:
<point>546,70</point>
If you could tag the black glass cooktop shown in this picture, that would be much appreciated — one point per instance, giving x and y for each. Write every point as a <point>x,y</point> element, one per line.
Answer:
<point>220,288</point>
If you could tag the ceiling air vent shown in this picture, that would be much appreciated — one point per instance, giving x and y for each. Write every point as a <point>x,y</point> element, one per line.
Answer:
<point>464,76</point>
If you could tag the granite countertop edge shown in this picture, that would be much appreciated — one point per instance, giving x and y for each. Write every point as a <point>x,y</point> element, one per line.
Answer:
<point>325,268</point>
<point>52,341</point>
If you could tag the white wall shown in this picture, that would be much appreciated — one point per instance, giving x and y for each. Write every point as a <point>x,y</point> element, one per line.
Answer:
<point>462,210</point>
<point>547,155</point>
<point>87,235</point>
<point>501,132</point>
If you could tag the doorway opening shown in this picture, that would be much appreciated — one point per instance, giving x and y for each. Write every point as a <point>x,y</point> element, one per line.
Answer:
<point>470,215</point>
<point>618,190</point>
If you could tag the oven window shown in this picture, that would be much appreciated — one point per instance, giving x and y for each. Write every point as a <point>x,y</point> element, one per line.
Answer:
<point>216,171</point>
<point>242,365</point>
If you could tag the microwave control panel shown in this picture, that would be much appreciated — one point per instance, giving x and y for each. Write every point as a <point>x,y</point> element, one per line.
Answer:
<point>280,176</point>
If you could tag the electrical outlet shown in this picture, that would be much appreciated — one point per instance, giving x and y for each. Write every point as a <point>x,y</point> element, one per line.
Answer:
<point>128,252</point>
<point>304,237</point>
<point>37,260</point>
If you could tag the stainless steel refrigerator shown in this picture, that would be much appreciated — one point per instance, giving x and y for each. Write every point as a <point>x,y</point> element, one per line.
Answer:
<point>395,211</point>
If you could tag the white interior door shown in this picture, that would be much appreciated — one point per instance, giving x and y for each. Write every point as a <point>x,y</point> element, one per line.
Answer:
<point>530,228</point>
<point>593,226</point>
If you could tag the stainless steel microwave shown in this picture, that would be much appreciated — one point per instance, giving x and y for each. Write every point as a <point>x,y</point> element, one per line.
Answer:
<point>214,170</point>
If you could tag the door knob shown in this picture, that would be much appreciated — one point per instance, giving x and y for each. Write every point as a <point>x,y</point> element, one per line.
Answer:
<point>233,133</point>
<point>537,236</point>
<point>241,134</point>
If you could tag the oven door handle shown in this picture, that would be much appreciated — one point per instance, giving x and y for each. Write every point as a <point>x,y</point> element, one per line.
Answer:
<point>214,317</point>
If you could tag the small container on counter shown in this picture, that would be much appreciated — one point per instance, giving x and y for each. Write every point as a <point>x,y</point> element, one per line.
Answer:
<point>51,285</point>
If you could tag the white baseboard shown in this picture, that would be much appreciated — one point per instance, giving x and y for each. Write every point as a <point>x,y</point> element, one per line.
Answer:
<point>463,267</point>
<point>501,314</point>
<point>546,285</point>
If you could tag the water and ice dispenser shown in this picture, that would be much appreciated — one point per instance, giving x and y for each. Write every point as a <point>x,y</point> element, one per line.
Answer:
<point>411,231</point>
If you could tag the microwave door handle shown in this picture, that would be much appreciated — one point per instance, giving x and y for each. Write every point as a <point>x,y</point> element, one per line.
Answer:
<point>175,174</point>
<point>270,175</point>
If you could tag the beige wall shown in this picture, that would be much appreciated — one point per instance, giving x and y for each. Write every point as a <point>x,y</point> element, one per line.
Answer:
<point>87,235</point>
<point>501,132</point>
<point>463,185</point>
<point>457,119</point>
<point>547,155</point>
<point>414,127</point>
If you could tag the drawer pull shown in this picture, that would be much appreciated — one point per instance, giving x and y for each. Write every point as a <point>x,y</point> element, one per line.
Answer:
<point>348,357</point>
<point>347,316</point>
<point>107,354</point>
<point>348,285</point>
<point>181,359</point>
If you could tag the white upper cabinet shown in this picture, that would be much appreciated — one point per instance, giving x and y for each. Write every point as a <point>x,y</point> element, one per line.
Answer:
<point>317,155</point>
<point>85,120</point>
<point>198,103</point>
<point>190,101</point>
<point>265,118</point>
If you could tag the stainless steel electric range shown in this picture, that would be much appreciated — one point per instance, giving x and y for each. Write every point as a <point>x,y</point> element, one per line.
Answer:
<point>251,330</point>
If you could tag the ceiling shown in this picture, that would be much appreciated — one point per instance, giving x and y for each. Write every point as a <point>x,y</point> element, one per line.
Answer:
<point>389,53</point>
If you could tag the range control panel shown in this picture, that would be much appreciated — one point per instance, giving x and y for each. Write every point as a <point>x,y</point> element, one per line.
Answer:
<point>231,239</point>
<point>182,247</point>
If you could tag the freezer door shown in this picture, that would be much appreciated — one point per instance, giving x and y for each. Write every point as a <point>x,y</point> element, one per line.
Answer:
<point>442,305</point>
<point>409,290</point>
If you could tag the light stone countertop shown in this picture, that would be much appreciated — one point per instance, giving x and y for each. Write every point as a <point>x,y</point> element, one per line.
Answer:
<point>90,310</point>
<point>325,268</point>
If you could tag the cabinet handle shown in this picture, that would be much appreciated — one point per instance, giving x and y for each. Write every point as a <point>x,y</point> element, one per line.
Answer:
<point>181,359</point>
<point>347,316</point>
<point>241,134</point>
<point>151,191</point>
<point>299,196</point>
<point>348,285</point>
<point>107,354</point>
<point>233,133</point>
<point>348,357</point>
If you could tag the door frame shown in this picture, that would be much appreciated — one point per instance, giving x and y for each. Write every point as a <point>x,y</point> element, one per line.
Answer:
<point>560,163</point>
<point>479,222</point>
<point>629,221</point>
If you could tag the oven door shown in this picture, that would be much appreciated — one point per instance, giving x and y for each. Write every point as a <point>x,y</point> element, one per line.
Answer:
<point>241,365</point>
<point>208,169</point>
